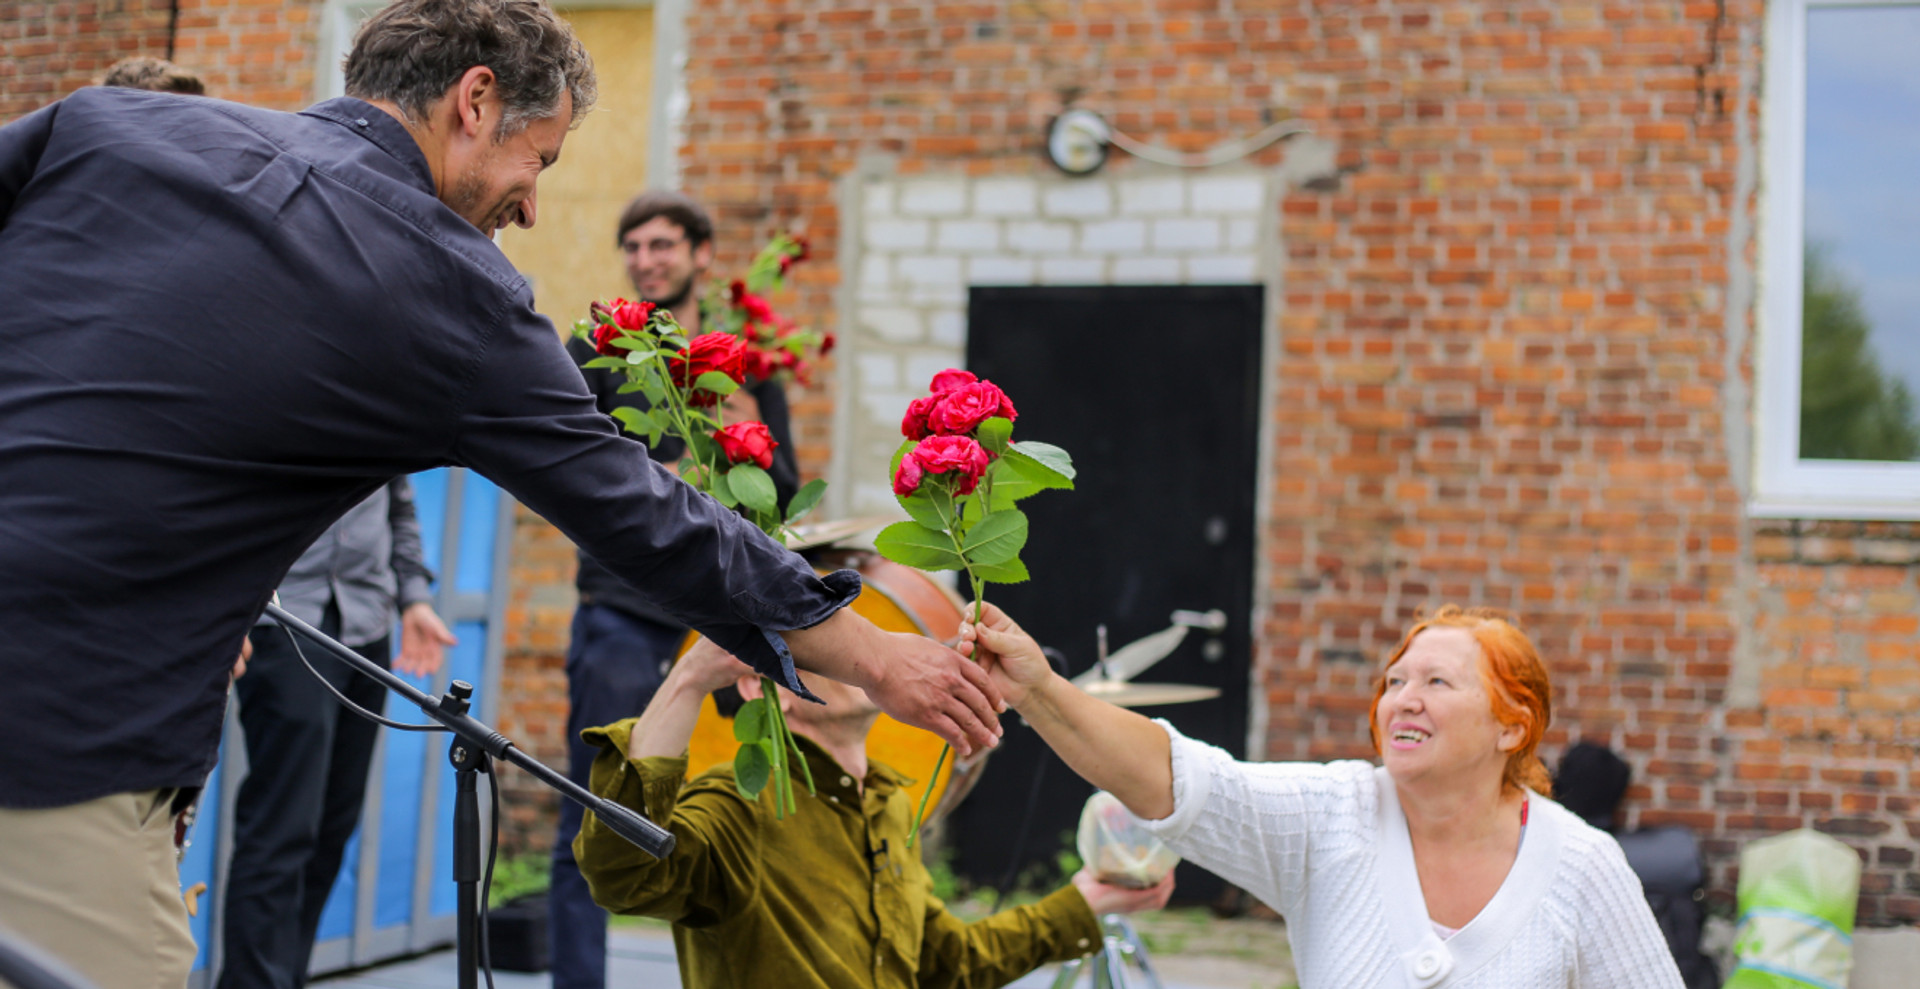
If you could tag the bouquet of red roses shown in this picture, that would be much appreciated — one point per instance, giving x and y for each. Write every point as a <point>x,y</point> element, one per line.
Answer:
<point>958,476</point>
<point>776,347</point>
<point>684,380</point>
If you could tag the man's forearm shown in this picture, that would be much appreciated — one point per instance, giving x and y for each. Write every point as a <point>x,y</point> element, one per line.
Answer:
<point>846,647</point>
<point>666,726</point>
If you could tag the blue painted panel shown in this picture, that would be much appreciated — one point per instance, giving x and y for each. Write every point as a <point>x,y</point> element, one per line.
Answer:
<point>401,780</point>
<point>466,661</point>
<point>197,867</point>
<point>479,515</point>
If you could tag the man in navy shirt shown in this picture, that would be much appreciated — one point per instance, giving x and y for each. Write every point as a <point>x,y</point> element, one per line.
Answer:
<point>221,328</point>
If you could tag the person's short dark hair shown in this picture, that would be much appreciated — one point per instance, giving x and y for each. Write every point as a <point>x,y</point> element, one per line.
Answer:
<point>675,206</point>
<point>728,702</point>
<point>1591,782</point>
<point>155,74</point>
<point>410,53</point>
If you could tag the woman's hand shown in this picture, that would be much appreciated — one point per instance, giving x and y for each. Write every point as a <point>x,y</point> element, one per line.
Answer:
<point>1009,655</point>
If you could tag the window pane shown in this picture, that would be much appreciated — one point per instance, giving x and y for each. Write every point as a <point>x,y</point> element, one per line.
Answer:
<point>1860,330</point>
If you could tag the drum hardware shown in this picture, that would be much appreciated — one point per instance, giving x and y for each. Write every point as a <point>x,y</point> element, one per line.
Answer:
<point>1121,950</point>
<point>1138,656</point>
<point>1111,676</point>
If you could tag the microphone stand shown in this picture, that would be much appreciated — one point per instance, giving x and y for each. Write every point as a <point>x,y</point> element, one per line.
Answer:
<point>472,751</point>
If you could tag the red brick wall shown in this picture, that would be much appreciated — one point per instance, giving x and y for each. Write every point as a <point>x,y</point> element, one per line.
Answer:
<point>251,51</point>
<point>48,50</point>
<point>1838,620</point>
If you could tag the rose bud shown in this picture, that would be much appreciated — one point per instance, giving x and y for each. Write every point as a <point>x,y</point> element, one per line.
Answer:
<point>906,480</point>
<point>631,315</point>
<point>747,442</point>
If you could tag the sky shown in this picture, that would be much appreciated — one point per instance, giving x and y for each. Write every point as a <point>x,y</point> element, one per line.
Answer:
<point>1863,166</point>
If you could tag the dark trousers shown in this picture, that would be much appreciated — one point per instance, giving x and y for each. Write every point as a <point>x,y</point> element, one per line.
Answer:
<point>307,760</point>
<point>614,664</point>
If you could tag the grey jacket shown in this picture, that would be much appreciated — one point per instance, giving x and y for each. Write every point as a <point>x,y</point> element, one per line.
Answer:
<point>369,564</point>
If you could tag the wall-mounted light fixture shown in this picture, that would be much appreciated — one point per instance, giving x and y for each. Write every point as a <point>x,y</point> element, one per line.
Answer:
<point>1078,143</point>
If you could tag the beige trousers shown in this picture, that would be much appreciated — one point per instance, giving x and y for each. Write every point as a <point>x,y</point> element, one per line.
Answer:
<point>97,885</point>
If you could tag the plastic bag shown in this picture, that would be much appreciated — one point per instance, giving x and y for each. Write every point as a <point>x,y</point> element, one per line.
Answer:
<point>1797,897</point>
<point>1118,849</point>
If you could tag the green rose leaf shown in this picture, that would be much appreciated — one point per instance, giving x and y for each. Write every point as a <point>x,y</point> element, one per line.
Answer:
<point>807,497</point>
<point>716,382</point>
<point>639,356</point>
<point>994,434</point>
<point>753,487</point>
<point>717,485</point>
<point>750,724</point>
<point>655,390</point>
<point>915,545</point>
<point>752,767</point>
<point>605,362</point>
<point>997,538</point>
<point>1050,459</point>
<point>1010,572</point>
<point>921,507</point>
<point>636,421</point>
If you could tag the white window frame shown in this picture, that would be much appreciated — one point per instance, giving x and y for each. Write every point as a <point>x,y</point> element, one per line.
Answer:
<point>1785,486</point>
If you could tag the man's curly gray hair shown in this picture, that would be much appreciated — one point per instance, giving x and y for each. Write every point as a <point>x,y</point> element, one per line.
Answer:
<point>412,51</point>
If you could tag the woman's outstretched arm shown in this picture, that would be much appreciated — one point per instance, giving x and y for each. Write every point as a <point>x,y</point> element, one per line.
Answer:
<point>1111,747</point>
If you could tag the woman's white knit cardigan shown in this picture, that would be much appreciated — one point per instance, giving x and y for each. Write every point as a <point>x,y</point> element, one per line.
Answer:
<point>1326,845</point>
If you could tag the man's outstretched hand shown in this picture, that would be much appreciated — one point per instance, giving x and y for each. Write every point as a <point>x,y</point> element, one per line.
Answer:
<point>913,678</point>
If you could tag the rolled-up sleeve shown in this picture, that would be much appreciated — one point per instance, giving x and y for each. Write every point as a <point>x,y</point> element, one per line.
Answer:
<point>529,425</point>
<point>713,872</point>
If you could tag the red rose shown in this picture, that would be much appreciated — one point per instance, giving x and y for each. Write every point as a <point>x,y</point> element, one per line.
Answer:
<point>801,249</point>
<point>786,262</point>
<point>914,426</point>
<point>721,352</point>
<point>952,455</point>
<point>950,379</point>
<point>967,406</point>
<point>906,480</point>
<point>757,364</point>
<point>631,315</point>
<point>747,441</point>
<point>827,341</point>
<point>756,307</point>
<point>603,336</point>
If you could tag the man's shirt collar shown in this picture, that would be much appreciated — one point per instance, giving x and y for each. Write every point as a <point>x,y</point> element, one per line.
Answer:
<point>378,127</point>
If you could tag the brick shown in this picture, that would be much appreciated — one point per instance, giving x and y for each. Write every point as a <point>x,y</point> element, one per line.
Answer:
<point>1083,198</point>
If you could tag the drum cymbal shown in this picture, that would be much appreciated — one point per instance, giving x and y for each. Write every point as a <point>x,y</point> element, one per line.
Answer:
<point>1125,694</point>
<point>818,534</point>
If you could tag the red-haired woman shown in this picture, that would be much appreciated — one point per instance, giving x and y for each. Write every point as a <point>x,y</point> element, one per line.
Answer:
<point>1447,866</point>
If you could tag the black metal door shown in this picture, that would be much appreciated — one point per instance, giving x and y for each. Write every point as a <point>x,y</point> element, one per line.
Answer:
<point>1154,390</point>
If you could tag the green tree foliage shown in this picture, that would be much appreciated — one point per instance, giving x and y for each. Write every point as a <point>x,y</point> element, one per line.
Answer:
<point>1850,409</point>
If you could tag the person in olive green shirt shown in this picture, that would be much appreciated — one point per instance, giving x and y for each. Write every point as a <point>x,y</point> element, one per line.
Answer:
<point>830,897</point>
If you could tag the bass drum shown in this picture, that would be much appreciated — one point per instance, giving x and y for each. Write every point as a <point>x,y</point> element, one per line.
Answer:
<point>898,599</point>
